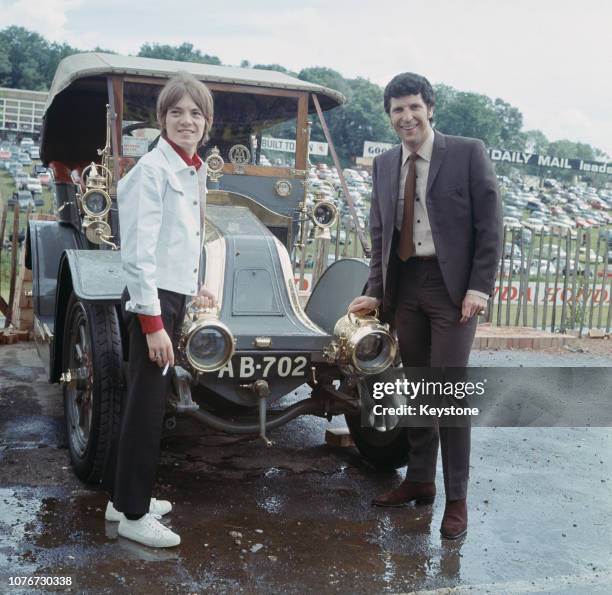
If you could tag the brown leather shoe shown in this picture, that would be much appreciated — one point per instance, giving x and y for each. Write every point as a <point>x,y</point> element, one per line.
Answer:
<point>454,522</point>
<point>406,492</point>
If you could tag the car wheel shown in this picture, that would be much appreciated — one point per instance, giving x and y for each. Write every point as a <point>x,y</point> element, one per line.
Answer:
<point>92,396</point>
<point>385,451</point>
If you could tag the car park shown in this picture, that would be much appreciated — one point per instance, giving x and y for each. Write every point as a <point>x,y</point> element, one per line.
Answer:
<point>535,224</point>
<point>44,178</point>
<point>21,181</point>
<point>511,222</point>
<point>34,185</point>
<point>23,198</point>
<point>512,212</point>
<point>238,360</point>
<point>542,268</point>
<point>14,167</point>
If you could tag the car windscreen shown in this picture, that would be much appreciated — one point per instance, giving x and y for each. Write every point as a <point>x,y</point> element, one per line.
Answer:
<point>253,120</point>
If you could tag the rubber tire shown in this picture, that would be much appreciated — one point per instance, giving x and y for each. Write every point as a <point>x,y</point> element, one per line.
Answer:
<point>103,333</point>
<point>385,451</point>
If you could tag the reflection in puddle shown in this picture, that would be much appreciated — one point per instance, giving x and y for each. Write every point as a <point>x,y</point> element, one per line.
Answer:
<point>389,573</point>
<point>18,515</point>
<point>273,472</point>
<point>271,504</point>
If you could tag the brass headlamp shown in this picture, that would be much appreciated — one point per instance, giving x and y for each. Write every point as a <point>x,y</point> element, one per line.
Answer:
<point>324,212</point>
<point>363,343</point>
<point>95,203</point>
<point>206,343</point>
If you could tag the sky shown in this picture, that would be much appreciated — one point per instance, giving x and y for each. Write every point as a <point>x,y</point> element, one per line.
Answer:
<point>552,59</point>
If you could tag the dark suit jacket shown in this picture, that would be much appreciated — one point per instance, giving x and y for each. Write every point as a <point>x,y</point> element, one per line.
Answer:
<point>464,209</point>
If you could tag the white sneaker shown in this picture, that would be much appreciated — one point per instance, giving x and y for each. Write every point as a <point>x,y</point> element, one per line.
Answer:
<point>148,531</point>
<point>157,507</point>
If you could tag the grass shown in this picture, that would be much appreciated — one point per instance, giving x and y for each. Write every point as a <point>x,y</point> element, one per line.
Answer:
<point>570,323</point>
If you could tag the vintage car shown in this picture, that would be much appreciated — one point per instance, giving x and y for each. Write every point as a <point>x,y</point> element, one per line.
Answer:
<point>238,361</point>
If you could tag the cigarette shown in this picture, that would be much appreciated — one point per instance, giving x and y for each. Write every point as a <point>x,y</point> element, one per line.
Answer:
<point>166,369</point>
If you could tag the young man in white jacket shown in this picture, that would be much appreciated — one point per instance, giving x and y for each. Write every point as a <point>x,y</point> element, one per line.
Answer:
<point>161,213</point>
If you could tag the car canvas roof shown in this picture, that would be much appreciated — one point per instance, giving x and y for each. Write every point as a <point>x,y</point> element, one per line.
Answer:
<point>89,64</point>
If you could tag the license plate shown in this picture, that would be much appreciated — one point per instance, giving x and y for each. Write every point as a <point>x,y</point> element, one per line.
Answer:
<point>265,366</point>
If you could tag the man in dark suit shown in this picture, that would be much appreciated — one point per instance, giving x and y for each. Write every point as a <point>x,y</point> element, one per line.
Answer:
<point>435,225</point>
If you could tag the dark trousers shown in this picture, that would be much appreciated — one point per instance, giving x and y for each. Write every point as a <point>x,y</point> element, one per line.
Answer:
<point>429,334</point>
<point>130,471</point>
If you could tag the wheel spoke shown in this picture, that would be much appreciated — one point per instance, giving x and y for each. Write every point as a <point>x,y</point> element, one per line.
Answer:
<point>83,337</point>
<point>82,412</point>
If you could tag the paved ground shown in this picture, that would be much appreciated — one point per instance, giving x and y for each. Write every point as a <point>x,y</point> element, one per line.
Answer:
<point>540,503</point>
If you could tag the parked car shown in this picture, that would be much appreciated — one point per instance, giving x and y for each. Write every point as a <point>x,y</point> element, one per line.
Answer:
<point>34,185</point>
<point>23,198</point>
<point>543,268</point>
<point>236,361</point>
<point>14,167</point>
<point>511,222</point>
<point>512,212</point>
<point>44,178</point>
<point>21,181</point>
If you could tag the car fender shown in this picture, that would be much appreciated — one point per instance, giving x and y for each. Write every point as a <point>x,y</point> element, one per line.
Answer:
<point>95,276</point>
<point>45,245</point>
<point>46,242</point>
<point>339,284</point>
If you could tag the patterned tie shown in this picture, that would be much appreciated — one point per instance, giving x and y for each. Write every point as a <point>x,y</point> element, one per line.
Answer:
<point>406,244</point>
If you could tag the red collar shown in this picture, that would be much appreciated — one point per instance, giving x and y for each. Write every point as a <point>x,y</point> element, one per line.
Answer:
<point>195,160</point>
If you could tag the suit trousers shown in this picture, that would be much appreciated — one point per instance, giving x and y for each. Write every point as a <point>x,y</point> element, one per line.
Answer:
<point>130,471</point>
<point>429,335</point>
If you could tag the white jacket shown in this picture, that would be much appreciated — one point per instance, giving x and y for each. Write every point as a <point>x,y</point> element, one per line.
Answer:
<point>161,214</point>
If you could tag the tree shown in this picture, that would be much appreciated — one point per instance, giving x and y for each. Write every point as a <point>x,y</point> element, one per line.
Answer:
<point>103,50</point>
<point>572,150</point>
<point>334,118</point>
<point>536,142</point>
<point>276,67</point>
<point>469,114</point>
<point>181,53</point>
<point>511,122</point>
<point>364,118</point>
<point>444,95</point>
<point>5,63</point>
<point>27,60</point>
<point>496,123</point>
<point>361,118</point>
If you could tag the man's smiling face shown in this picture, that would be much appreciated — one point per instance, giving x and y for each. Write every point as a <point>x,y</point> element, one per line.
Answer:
<point>410,116</point>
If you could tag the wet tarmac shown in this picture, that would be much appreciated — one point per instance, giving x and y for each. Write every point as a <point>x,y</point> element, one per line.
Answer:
<point>296,518</point>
